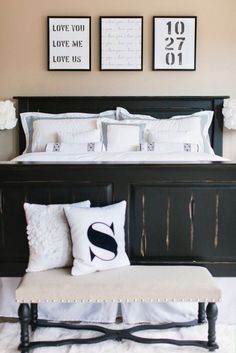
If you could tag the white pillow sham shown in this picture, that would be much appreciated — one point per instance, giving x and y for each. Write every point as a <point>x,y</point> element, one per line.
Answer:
<point>84,137</point>
<point>75,147</point>
<point>48,236</point>
<point>191,124</point>
<point>170,136</point>
<point>98,238</point>
<point>123,114</point>
<point>122,137</point>
<point>169,147</point>
<point>27,120</point>
<point>206,117</point>
<point>47,130</point>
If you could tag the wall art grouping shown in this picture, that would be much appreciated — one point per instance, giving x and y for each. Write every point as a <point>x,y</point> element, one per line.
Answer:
<point>121,43</point>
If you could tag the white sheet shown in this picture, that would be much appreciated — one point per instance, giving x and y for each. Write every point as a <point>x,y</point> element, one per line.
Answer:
<point>117,157</point>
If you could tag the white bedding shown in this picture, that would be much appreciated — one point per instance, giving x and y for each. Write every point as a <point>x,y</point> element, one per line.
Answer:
<point>118,157</point>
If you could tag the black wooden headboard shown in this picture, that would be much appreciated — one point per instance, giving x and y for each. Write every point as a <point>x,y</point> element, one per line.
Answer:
<point>159,107</point>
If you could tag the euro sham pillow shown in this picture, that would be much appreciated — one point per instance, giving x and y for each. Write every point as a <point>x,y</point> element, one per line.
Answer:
<point>28,119</point>
<point>75,147</point>
<point>98,238</point>
<point>206,117</point>
<point>48,236</point>
<point>122,137</point>
<point>191,126</point>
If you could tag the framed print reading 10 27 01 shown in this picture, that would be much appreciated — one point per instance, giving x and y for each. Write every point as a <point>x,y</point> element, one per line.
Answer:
<point>121,43</point>
<point>174,43</point>
<point>69,45</point>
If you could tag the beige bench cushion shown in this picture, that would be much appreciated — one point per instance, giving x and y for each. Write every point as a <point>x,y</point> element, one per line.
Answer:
<point>126,284</point>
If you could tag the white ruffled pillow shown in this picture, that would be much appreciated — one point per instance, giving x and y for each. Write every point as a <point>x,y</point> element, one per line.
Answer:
<point>98,238</point>
<point>48,236</point>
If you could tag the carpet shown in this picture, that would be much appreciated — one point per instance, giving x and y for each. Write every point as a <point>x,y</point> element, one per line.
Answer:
<point>226,338</point>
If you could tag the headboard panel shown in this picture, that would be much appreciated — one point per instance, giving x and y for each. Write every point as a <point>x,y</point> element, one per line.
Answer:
<point>159,107</point>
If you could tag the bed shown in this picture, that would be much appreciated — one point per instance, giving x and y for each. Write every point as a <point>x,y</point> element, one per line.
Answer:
<point>180,212</point>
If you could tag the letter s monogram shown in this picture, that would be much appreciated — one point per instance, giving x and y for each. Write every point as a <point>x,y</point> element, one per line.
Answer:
<point>103,244</point>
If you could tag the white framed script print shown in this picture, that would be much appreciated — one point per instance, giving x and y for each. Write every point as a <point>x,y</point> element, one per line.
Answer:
<point>174,43</point>
<point>121,43</point>
<point>69,43</point>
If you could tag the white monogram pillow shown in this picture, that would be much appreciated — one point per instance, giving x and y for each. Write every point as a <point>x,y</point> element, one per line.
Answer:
<point>98,237</point>
<point>48,236</point>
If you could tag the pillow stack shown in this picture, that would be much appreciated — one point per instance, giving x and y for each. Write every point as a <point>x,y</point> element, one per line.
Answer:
<point>116,131</point>
<point>93,239</point>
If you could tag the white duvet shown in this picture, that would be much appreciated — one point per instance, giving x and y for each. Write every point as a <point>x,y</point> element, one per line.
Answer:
<point>119,157</point>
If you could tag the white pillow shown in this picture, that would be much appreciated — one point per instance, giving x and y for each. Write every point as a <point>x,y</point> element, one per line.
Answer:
<point>206,117</point>
<point>122,137</point>
<point>27,120</point>
<point>47,130</point>
<point>169,147</point>
<point>48,236</point>
<point>84,137</point>
<point>192,125</point>
<point>170,136</point>
<point>123,114</point>
<point>75,147</point>
<point>98,238</point>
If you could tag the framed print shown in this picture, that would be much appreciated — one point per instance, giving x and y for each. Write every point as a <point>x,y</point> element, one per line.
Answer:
<point>174,43</point>
<point>69,43</point>
<point>121,43</point>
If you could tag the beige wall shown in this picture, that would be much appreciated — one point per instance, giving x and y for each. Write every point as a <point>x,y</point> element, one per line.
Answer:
<point>23,54</point>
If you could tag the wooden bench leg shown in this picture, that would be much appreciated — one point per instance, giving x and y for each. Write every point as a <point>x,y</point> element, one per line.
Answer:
<point>201,313</point>
<point>34,316</point>
<point>212,312</point>
<point>24,318</point>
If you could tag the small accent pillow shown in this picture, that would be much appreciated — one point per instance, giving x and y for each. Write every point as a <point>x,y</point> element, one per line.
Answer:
<point>83,137</point>
<point>48,236</point>
<point>169,147</point>
<point>98,238</point>
<point>122,137</point>
<point>74,147</point>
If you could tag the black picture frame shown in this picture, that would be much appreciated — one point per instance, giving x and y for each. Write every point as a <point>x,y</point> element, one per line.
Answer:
<point>72,50</point>
<point>134,43</point>
<point>174,43</point>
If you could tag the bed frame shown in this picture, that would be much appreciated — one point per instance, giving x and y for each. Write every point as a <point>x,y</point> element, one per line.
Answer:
<point>177,213</point>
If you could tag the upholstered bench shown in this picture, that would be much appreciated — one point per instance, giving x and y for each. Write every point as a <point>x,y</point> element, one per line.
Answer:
<point>152,284</point>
